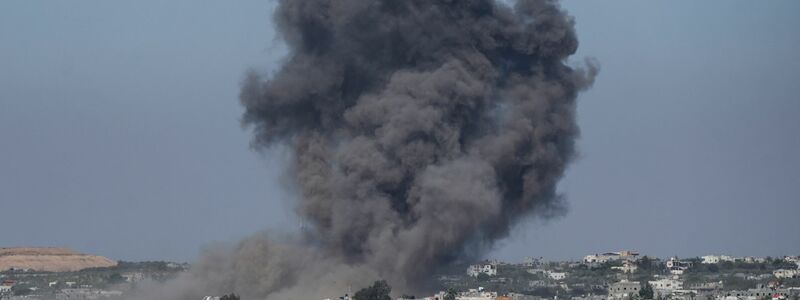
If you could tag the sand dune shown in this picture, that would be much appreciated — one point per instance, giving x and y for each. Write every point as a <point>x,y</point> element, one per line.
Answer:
<point>50,259</point>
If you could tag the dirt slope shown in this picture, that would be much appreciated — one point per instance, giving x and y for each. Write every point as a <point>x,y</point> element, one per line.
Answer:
<point>50,259</point>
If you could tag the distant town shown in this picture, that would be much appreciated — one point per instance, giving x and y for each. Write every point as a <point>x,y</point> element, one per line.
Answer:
<point>621,275</point>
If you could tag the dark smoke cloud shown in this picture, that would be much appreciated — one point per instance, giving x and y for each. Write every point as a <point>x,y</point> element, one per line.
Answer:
<point>421,130</point>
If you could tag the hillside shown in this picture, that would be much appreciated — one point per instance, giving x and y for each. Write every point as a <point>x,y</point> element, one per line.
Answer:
<point>50,259</point>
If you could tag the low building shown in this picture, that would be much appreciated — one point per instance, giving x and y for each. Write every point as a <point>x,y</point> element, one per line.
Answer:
<point>590,297</point>
<point>758,293</point>
<point>515,296</point>
<point>753,260</point>
<point>6,285</point>
<point>611,256</point>
<point>665,286</point>
<point>623,289</point>
<point>792,259</point>
<point>715,259</point>
<point>557,275</point>
<point>677,266</point>
<point>627,267</point>
<point>707,286</point>
<point>488,269</point>
<point>759,277</point>
<point>477,294</point>
<point>537,271</point>
<point>786,273</point>
<point>532,262</point>
<point>133,277</point>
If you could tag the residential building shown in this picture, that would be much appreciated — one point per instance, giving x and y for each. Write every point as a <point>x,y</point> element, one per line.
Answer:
<point>715,259</point>
<point>557,275</point>
<point>753,260</point>
<point>537,271</point>
<point>488,269</point>
<point>786,273</point>
<point>627,267</point>
<point>623,289</point>
<point>515,296</point>
<point>477,294</point>
<point>757,293</point>
<point>532,262</point>
<point>665,286</point>
<point>6,285</point>
<point>611,256</point>
<point>707,286</point>
<point>792,259</point>
<point>677,266</point>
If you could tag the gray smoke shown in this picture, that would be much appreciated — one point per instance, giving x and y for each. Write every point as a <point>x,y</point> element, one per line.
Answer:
<point>420,132</point>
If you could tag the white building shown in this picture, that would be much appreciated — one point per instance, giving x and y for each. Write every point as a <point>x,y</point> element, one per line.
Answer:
<point>677,267</point>
<point>623,290</point>
<point>611,256</point>
<point>715,259</point>
<point>753,260</point>
<point>784,273</point>
<point>557,275</point>
<point>477,294</point>
<point>488,269</point>
<point>627,267</point>
<point>133,276</point>
<point>666,286</point>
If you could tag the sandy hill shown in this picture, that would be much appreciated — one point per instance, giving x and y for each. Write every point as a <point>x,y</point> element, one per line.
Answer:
<point>50,259</point>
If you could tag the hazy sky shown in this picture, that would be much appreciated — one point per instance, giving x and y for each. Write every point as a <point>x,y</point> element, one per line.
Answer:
<point>119,130</point>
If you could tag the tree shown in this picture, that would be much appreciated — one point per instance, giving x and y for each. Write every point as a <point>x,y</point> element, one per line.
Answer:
<point>483,277</point>
<point>713,268</point>
<point>451,294</point>
<point>378,291</point>
<point>116,278</point>
<point>645,263</point>
<point>21,291</point>
<point>646,292</point>
<point>230,297</point>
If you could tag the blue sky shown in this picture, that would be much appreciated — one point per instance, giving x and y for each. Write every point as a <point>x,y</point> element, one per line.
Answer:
<point>119,130</point>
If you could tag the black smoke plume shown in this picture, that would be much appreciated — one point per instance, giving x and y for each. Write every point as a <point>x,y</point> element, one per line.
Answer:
<point>420,131</point>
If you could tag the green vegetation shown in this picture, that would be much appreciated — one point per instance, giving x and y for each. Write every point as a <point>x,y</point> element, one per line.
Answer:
<point>646,292</point>
<point>451,294</point>
<point>229,297</point>
<point>378,291</point>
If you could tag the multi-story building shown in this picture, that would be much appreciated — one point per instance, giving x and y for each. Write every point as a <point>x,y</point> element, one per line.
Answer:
<point>623,289</point>
<point>677,266</point>
<point>665,286</point>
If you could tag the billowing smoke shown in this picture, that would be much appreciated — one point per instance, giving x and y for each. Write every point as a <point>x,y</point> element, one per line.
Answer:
<point>420,132</point>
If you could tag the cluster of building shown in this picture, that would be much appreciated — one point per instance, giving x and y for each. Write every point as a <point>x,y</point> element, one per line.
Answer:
<point>5,287</point>
<point>92,283</point>
<point>674,289</point>
<point>480,294</point>
<point>666,284</point>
